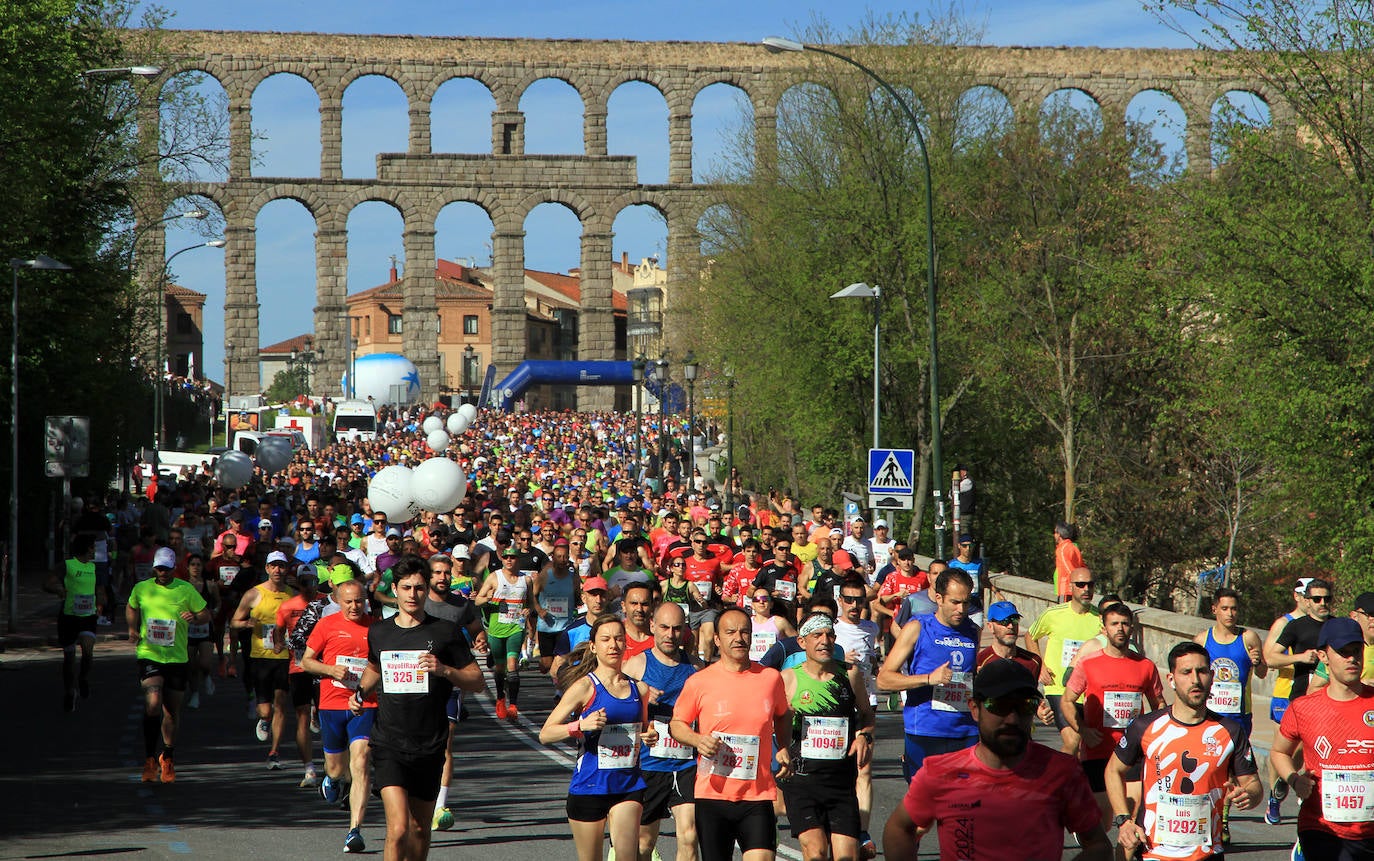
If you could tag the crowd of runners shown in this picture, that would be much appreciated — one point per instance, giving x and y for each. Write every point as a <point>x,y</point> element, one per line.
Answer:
<point>720,665</point>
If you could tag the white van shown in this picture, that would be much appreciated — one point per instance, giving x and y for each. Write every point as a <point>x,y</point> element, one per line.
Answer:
<point>355,419</point>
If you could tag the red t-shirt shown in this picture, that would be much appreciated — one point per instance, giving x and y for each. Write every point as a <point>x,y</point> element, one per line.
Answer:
<point>896,581</point>
<point>288,614</point>
<point>1338,744</point>
<point>706,570</point>
<point>737,585</point>
<point>335,637</point>
<point>1114,692</point>
<point>1002,814</point>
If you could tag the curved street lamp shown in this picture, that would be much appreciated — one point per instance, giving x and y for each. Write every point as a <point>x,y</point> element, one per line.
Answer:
<point>689,373</point>
<point>160,382</point>
<point>777,44</point>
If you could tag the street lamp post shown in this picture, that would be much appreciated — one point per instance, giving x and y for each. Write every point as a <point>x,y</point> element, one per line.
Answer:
<point>863,291</point>
<point>664,408</point>
<point>729,445</point>
<point>638,394</point>
<point>468,353</point>
<point>17,263</point>
<point>160,381</point>
<point>689,373</point>
<point>305,360</point>
<point>228,377</point>
<point>776,44</point>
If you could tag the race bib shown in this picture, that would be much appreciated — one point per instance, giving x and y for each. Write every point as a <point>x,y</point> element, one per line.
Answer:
<point>401,673</point>
<point>1225,697</point>
<point>703,588</point>
<point>1182,820</point>
<point>1347,795</point>
<point>228,573</point>
<point>824,737</point>
<point>618,746</point>
<point>1119,708</point>
<point>162,632</point>
<point>198,630</point>
<point>668,747</point>
<point>684,607</point>
<point>786,589</point>
<point>953,695</point>
<point>558,606</point>
<point>267,632</point>
<point>1070,651</point>
<point>760,643</point>
<point>83,605</point>
<point>510,612</point>
<point>355,667</point>
<point>737,757</point>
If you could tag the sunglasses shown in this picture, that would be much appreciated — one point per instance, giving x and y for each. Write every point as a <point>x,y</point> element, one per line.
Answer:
<point>1319,599</point>
<point>852,599</point>
<point>1025,707</point>
<point>1085,584</point>
<point>762,599</point>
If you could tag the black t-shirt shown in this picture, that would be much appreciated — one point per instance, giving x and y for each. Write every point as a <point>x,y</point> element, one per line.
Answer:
<point>454,608</point>
<point>826,582</point>
<point>768,578</point>
<point>415,724</point>
<point>532,561</point>
<point>1300,635</point>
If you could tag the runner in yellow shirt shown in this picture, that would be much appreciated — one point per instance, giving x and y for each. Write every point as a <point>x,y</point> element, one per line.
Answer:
<point>258,612</point>
<point>1064,628</point>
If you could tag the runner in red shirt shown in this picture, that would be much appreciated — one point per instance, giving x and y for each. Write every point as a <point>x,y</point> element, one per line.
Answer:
<point>301,684</point>
<point>704,575</point>
<point>738,583</point>
<point>1333,725</point>
<point>905,580</point>
<point>1004,799</point>
<point>1114,685</point>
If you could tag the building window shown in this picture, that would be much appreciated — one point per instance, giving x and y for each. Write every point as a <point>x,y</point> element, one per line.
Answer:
<point>439,324</point>
<point>472,370</point>
<point>185,325</point>
<point>469,324</point>
<point>393,324</point>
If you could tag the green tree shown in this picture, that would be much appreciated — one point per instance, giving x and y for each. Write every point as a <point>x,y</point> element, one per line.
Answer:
<point>286,386</point>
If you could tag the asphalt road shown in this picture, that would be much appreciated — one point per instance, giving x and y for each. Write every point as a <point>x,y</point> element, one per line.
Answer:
<point>70,787</point>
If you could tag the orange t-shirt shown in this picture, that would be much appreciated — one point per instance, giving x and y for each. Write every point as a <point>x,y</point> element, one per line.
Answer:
<point>739,708</point>
<point>1066,558</point>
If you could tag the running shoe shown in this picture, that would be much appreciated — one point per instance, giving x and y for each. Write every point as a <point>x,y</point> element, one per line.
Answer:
<point>207,687</point>
<point>311,778</point>
<point>263,730</point>
<point>193,701</point>
<point>867,848</point>
<point>150,770</point>
<point>512,713</point>
<point>84,686</point>
<point>169,772</point>
<point>443,820</point>
<point>329,790</point>
<point>1271,812</point>
<point>103,621</point>
<point>353,842</point>
<point>1297,853</point>
<point>501,710</point>
<point>273,761</point>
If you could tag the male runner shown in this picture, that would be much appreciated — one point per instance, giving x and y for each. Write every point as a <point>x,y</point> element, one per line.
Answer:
<point>1064,628</point>
<point>414,661</point>
<point>1336,819</point>
<point>857,639</point>
<point>158,612</point>
<point>637,609</point>
<point>556,597</point>
<point>1005,797</point>
<point>1195,763</point>
<point>933,661</point>
<point>257,612</point>
<point>303,687</point>
<point>669,767</point>
<point>76,621</point>
<point>337,652</point>
<point>735,705</point>
<point>1113,684</point>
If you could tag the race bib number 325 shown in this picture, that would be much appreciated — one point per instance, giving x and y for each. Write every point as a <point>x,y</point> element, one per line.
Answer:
<point>401,673</point>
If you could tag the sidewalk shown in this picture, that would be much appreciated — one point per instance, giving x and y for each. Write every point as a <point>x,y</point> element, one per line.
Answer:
<point>36,626</point>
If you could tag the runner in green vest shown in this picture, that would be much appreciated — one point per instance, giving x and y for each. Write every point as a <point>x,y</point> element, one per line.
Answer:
<point>75,585</point>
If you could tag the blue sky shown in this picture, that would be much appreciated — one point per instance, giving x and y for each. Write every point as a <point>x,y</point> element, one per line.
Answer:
<point>375,117</point>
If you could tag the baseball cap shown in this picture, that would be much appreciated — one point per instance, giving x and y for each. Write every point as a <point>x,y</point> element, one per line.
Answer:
<point>460,551</point>
<point>509,552</point>
<point>277,556</point>
<point>264,524</point>
<point>1301,588</point>
<point>357,518</point>
<point>836,532</point>
<point>1364,602</point>
<point>596,584</point>
<point>305,574</point>
<point>880,524</point>
<point>858,518</point>
<point>393,531</point>
<point>165,557</point>
<point>562,542</point>
<point>1002,677</point>
<point>1002,611</point>
<point>965,538</point>
<point>1339,633</point>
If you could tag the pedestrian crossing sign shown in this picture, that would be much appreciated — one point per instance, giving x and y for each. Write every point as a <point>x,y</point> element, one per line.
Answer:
<point>890,471</point>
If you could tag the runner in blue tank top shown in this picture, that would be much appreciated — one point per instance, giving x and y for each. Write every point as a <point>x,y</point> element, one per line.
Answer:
<point>933,661</point>
<point>669,767</point>
<point>605,712</point>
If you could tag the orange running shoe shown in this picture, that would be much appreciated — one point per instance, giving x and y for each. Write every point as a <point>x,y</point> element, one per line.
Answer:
<point>169,772</point>
<point>150,770</point>
<point>512,712</point>
<point>501,710</point>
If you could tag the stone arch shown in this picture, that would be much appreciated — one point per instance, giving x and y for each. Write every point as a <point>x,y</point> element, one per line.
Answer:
<point>579,206</point>
<point>406,82</point>
<point>465,89</point>
<point>308,196</point>
<point>1232,109</point>
<point>285,309</point>
<point>537,117</point>
<point>982,110</point>
<point>371,226</point>
<point>628,129</point>
<point>715,120</point>
<point>299,118</point>
<point>374,119</point>
<point>1076,101</point>
<point>188,148</point>
<point>485,199</point>
<point>1161,115</point>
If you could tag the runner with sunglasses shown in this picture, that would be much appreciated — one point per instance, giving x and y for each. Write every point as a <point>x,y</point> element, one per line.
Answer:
<point>1006,797</point>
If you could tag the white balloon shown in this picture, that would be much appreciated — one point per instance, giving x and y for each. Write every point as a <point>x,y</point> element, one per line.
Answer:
<point>390,492</point>
<point>233,469</point>
<point>273,454</point>
<point>458,424</point>
<point>470,411</point>
<point>438,441</point>
<point>432,424</point>
<point>438,485</point>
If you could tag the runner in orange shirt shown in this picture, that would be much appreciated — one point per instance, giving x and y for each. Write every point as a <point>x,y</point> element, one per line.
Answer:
<point>1066,558</point>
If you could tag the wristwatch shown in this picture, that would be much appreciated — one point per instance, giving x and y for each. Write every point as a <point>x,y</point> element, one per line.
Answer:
<point>1120,819</point>
<point>865,733</point>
